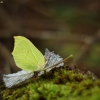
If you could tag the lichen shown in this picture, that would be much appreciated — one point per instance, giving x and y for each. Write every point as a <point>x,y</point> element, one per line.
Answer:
<point>58,84</point>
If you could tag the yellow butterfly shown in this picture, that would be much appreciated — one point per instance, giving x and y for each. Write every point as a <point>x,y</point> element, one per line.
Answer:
<point>26,55</point>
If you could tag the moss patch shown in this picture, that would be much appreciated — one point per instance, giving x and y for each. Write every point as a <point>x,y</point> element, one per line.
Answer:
<point>59,84</point>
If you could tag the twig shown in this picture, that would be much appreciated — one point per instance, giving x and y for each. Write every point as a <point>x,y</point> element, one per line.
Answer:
<point>58,63</point>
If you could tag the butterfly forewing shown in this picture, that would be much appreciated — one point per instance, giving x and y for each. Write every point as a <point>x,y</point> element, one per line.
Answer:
<point>26,55</point>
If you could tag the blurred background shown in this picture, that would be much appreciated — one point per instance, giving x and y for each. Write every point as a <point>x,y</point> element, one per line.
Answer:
<point>63,26</point>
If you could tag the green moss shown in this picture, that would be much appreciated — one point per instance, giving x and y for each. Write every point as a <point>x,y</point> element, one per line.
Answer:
<point>58,84</point>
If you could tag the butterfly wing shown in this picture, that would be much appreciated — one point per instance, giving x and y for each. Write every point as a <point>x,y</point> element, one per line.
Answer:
<point>26,55</point>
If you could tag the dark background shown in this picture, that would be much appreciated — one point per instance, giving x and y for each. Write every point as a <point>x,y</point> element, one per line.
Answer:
<point>63,26</point>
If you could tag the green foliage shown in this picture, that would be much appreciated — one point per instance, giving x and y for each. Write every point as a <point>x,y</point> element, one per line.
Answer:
<point>93,57</point>
<point>58,84</point>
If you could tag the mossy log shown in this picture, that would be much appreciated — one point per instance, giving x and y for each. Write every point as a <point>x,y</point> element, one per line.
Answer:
<point>64,83</point>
